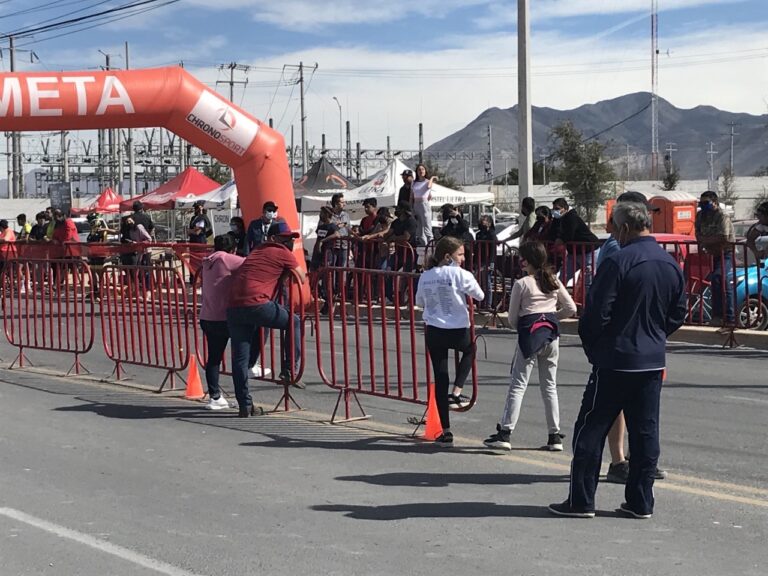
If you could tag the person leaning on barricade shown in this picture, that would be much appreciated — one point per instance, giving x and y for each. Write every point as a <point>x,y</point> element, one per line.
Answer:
<point>757,235</point>
<point>24,228</point>
<point>322,254</point>
<point>572,236</point>
<point>37,234</point>
<point>217,271</point>
<point>97,235</point>
<point>442,295</point>
<point>252,306</point>
<point>637,300</point>
<point>537,304</point>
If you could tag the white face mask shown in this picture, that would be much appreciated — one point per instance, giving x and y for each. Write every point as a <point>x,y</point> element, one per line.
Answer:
<point>234,228</point>
<point>270,215</point>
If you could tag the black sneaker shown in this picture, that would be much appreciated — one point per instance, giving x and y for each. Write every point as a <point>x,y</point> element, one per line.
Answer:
<point>564,509</point>
<point>659,474</point>
<point>500,439</point>
<point>445,439</point>
<point>555,442</point>
<point>457,402</point>
<point>618,473</point>
<point>626,510</point>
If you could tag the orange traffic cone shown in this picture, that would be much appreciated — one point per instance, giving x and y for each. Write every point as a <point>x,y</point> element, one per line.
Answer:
<point>194,386</point>
<point>433,428</point>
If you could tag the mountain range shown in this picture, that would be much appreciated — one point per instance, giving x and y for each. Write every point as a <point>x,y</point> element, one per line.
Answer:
<point>624,126</point>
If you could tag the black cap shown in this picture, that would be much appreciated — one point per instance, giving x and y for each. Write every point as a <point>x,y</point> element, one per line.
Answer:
<point>199,203</point>
<point>271,206</point>
<point>407,173</point>
<point>137,205</point>
<point>637,198</point>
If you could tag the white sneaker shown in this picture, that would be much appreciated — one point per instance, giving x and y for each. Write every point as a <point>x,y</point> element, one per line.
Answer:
<point>256,371</point>
<point>219,403</point>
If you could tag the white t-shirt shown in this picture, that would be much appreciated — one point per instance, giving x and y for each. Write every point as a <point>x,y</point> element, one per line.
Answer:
<point>420,190</point>
<point>442,294</point>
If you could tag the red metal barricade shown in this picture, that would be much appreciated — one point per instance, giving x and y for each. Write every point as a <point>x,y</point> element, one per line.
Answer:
<point>48,305</point>
<point>291,297</point>
<point>367,336</point>
<point>144,319</point>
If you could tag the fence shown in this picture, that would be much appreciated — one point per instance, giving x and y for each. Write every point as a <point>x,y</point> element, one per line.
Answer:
<point>371,312</point>
<point>48,305</point>
<point>144,319</point>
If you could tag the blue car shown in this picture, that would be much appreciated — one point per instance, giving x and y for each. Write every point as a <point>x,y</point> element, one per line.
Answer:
<point>752,311</point>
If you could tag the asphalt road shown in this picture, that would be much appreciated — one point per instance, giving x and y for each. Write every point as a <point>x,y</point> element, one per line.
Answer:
<point>101,479</point>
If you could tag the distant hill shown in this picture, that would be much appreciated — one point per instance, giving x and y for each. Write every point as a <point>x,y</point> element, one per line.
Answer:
<point>690,130</point>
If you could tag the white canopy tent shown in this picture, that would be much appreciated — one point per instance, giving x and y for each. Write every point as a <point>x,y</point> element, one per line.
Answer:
<point>222,198</point>
<point>385,186</point>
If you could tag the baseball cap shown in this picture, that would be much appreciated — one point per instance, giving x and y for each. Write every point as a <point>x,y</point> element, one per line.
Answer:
<point>270,206</point>
<point>199,203</point>
<point>282,229</point>
<point>137,205</point>
<point>638,198</point>
<point>407,173</point>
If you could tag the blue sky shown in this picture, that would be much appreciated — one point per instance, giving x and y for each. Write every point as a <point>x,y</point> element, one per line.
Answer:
<point>441,62</point>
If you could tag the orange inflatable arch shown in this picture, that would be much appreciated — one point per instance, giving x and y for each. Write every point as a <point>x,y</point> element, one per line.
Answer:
<point>158,97</point>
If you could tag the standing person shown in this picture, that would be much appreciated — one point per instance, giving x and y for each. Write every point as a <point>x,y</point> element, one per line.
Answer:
<point>366,253</point>
<point>341,219</point>
<point>373,240</point>
<point>37,234</point>
<point>540,228</point>
<point>404,195</point>
<point>6,235</point>
<point>714,232</point>
<point>454,223</point>
<point>421,195</point>
<point>252,306</point>
<point>402,239</point>
<point>637,300</point>
<point>200,228</point>
<point>24,227</point>
<point>98,234</point>
<point>528,211</point>
<point>64,228</point>
<point>217,271</point>
<point>570,233</point>
<point>237,231</point>
<point>322,254</point>
<point>484,252</point>
<point>757,235</point>
<point>258,228</point>
<point>442,294</point>
<point>139,218</point>
<point>537,304</point>
<point>370,206</point>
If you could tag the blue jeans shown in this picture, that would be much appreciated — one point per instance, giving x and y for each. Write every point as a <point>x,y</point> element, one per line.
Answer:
<point>243,323</point>
<point>217,337</point>
<point>722,268</point>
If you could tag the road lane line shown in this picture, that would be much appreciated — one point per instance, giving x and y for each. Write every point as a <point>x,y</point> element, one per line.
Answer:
<point>95,543</point>
<point>747,399</point>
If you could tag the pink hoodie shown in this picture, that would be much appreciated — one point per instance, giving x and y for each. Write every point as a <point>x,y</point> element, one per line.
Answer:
<point>217,279</point>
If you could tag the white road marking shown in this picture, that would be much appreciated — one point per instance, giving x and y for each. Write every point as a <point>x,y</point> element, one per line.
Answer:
<point>747,399</point>
<point>96,543</point>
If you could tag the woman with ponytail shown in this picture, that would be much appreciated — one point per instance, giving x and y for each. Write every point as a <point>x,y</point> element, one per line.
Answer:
<point>537,303</point>
<point>442,294</point>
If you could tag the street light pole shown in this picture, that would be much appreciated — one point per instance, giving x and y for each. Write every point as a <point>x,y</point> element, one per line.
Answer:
<point>341,137</point>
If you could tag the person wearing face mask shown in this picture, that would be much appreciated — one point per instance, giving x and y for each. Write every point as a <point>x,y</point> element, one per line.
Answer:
<point>442,294</point>
<point>637,300</point>
<point>454,224</point>
<point>257,229</point>
<point>537,304</point>
<point>237,231</point>
<point>570,233</point>
<point>528,211</point>
<point>200,228</point>
<point>540,228</point>
<point>714,232</point>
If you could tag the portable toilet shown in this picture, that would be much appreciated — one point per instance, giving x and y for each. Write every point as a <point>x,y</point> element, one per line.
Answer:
<point>676,212</point>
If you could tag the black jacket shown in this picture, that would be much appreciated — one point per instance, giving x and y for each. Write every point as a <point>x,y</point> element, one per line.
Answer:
<point>571,228</point>
<point>534,331</point>
<point>637,299</point>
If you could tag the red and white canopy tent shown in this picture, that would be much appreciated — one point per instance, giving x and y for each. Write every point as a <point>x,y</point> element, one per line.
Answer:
<point>107,203</point>
<point>187,184</point>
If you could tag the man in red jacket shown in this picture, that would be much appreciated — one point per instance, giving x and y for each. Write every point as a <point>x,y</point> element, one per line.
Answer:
<point>64,229</point>
<point>252,306</point>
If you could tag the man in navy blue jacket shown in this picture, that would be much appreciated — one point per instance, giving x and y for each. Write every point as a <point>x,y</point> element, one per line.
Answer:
<point>636,301</point>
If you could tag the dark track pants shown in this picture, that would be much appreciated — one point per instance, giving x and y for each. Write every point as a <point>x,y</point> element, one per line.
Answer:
<point>609,392</point>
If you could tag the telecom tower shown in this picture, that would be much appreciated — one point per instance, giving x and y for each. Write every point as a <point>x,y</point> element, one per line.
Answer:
<point>654,89</point>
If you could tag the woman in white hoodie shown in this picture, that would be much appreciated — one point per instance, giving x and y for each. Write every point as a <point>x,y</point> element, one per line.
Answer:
<point>442,294</point>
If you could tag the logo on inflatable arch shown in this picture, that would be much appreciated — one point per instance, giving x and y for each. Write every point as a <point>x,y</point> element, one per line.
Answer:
<point>224,124</point>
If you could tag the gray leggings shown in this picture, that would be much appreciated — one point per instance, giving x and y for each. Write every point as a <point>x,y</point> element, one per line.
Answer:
<point>422,211</point>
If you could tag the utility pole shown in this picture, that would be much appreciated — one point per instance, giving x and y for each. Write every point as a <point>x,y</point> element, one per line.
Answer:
<point>654,89</point>
<point>349,151</point>
<point>341,137</point>
<point>64,156</point>
<point>13,191</point>
<point>129,144</point>
<point>524,127</point>
<point>421,143</point>
<point>232,66</point>
<point>300,82</point>
<point>669,150</point>
<point>711,153</point>
<point>733,134</point>
<point>489,162</point>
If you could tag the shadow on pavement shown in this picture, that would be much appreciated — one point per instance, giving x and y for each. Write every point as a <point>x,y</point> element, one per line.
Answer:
<point>432,480</point>
<point>374,443</point>
<point>132,411</point>
<point>437,510</point>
